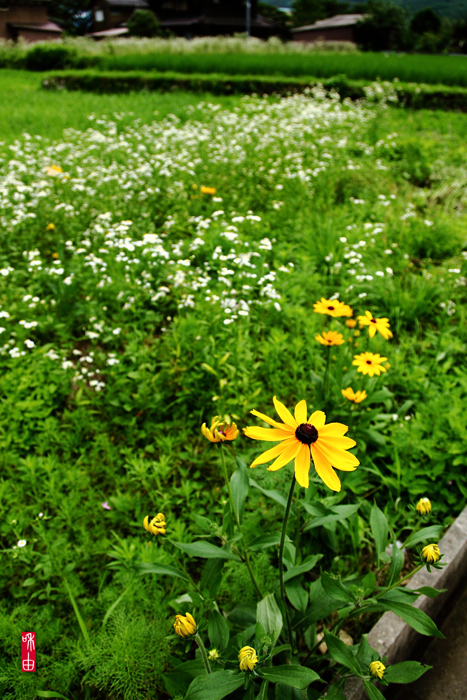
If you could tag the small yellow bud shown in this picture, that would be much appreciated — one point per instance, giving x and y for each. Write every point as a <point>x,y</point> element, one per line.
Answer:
<point>156,525</point>
<point>423,506</point>
<point>377,669</point>
<point>213,655</point>
<point>207,190</point>
<point>431,553</point>
<point>220,430</point>
<point>248,659</point>
<point>50,227</point>
<point>351,323</point>
<point>185,625</point>
<point>355,396</point>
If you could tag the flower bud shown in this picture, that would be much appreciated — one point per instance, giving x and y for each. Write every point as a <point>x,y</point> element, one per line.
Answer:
<point>220,430</point>
<point>185,625</point>
<point>248,658</point>
<point>213,655</point>
<point>431,553</point>
<point>377,668</point>
<point>156,525</point>
<point>423,507</point>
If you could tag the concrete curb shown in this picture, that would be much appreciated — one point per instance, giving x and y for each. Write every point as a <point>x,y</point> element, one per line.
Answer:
<point>394,638</point>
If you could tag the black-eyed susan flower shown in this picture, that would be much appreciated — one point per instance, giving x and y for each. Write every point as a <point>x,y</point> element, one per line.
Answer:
<point>248,658</point>
<point>332,307</point>
<point>302,439</point>
<point>185,625</point>
<point>423,506</point>
<point>377,669</point>
<point>355,396</point>
<point>375,324</point>
<point>207,190</point>
<point>330,338</point>
<point>213,655</point>
<point>156,525</point>
<point>369,363</point>
<point>431,553</point>
<point>221,429</point>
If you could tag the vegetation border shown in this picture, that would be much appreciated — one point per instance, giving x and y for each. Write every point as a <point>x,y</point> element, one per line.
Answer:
<point>394,638</point>
<point>413,95</point>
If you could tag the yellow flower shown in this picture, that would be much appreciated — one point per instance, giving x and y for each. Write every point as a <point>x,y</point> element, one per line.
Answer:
<point>330,338</point>
<point>248,658</point>
<point>185,625</point>
<point>213,655</point>
<point>300,439</point>
<point>377,668</point>
<point>369,363</point>
<point>207,190</point>
<point>375,324</point>
<point>431,553</point>
<point>351,323</point>
<point>53,170</point>
<point>220,430</point>
<point>332,307</point>
<point>355,396</point>
<point>423,506</point>
<point>50,227</point>
<point>156,525</point>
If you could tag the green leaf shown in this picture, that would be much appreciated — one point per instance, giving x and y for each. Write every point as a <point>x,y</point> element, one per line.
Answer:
<point>405,672</point>
<point>379,530</point>
<point>264,541</point>
<point>338,513</point>
<point>49,694</point>
<point>430,592</point>
<point>319,607</point>
<point>297,595</point>
<point>215,686</point>
<point>211,577</point>
<point>372,691</point>
<point>426,533</point>
<point>397,563</point>
<point>341,653</point>
<point>206,550</point>
<point>164,570</point>
<point>275,495</point>
<point>81,623</point>
<point>218,630</point>
<point>414,617</point>
<point>307,565</point>
<point>292,675</point>
<point>365,653</point>
<point>270,617</point>
<point>240,484</point>
<point>336,589</point>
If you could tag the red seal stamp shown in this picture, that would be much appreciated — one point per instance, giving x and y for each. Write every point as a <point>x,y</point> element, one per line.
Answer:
<point>28,651</point>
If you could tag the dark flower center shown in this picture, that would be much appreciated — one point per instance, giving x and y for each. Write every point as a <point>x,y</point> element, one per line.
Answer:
<point>373,320</point>
<point>330,308</point>
<point>306,433</point>
<point>368,362</point>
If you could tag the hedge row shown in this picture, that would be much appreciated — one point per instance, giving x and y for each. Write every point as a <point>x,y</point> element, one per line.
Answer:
<point>414,95</point>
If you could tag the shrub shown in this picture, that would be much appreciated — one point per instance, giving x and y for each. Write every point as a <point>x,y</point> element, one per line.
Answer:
<point>144,23</point>
<point>51,57</point>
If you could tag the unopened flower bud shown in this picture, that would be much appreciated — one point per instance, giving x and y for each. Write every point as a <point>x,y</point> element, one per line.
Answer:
<point>377,668</point>
<point>248,658</point>
<point>431,553</point>
<point>220,430</point>
<point>185,625</point>
<point>156,525</point>
<point>423,506</point>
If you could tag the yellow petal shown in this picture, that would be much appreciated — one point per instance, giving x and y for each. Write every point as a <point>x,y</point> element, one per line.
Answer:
<point>284,414</point>
<point>287,455</point>
<point>300,412</point>
<point>272,453</point>
<point>318,419</point>
<point>372,330</point>
<point>302,466</point>
<point>345,461</point>
<point>266,419</point>
<point>333,430</point>
<point>343,443</point>
<point>271,434</point>
<point>325,471</point>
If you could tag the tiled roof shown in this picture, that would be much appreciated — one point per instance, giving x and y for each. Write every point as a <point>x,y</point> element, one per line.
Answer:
<point>207,20</point>
<point>115,31</point>
<point>331,22</point>
<point>44,27</point>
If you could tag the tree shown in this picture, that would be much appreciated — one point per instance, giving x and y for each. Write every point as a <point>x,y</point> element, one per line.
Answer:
<point>144,23</point>
<point>310,11</point>
<point>73,16</point>
<point>385,29</point>
<point>426,21</point>
<point>281,19</point>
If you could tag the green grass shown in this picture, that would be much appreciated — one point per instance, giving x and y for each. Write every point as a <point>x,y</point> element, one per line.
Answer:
<point>119,309</point>
<point>448,70</point>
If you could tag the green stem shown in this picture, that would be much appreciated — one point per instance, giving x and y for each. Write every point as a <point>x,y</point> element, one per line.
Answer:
<point>400,582</point>
<point>281,561</point>
<point>202,649</point>
<point>326,374</point>
<point>237,521</point>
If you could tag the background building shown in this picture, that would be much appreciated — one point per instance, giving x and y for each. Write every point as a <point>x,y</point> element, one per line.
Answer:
<point>27,20</point>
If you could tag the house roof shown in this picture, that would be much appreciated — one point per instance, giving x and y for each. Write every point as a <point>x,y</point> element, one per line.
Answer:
<point>331,22</point>
<point>37,27</point>
<point>115,31</point>
<point>214,20</point>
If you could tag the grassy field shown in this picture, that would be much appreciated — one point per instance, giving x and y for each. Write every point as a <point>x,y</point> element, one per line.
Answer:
<point>160,260</point>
